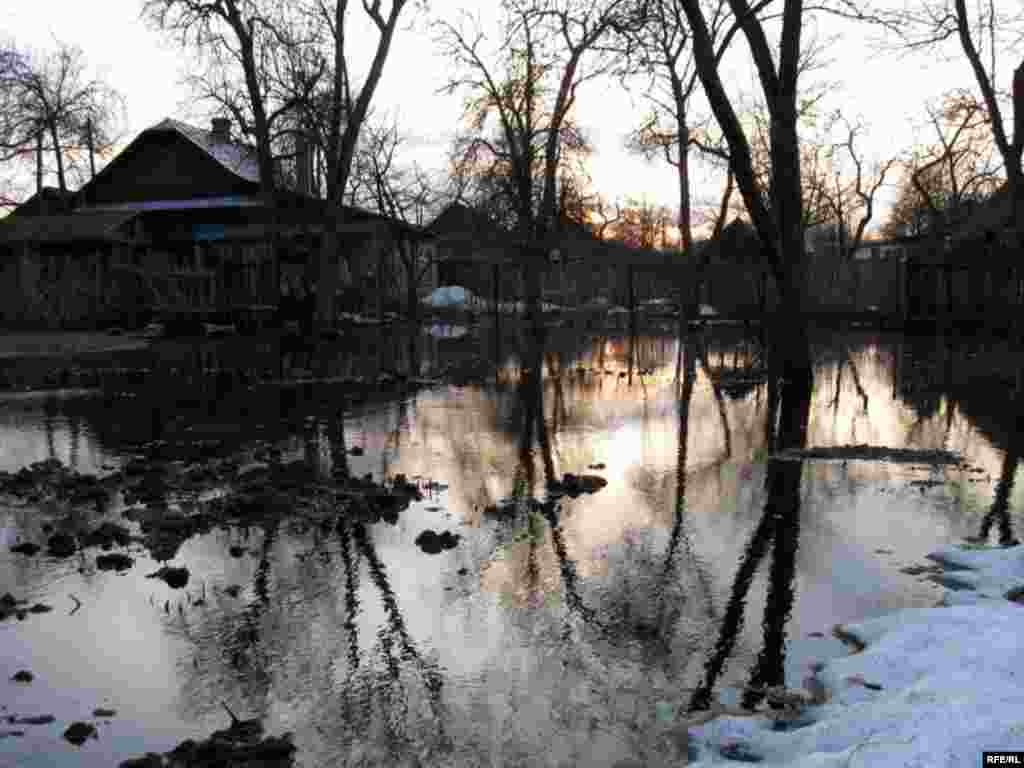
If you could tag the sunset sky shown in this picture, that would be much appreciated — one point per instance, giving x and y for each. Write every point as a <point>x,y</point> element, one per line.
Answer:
<point>887,91</point>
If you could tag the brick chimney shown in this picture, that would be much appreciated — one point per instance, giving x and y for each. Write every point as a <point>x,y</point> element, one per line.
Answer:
<point>220,129</point>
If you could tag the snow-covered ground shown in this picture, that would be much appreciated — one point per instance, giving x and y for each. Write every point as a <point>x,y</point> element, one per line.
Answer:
<point>933,687</point>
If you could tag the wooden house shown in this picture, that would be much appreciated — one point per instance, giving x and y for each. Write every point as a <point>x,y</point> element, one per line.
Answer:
<point>472,251</point>
<point>971,267</point>
<point>175,226</point>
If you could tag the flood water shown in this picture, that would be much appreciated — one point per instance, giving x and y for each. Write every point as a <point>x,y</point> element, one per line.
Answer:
<point>572,633</point>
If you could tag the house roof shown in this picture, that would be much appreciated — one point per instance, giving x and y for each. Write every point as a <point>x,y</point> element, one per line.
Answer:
<point>64,229</point>
<point>459,222</point>
<point>54,200</point>
<point>237,157</point>
<point>738,243</point>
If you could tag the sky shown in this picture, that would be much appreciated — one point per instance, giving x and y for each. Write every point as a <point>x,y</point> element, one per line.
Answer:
<point>146,67</point>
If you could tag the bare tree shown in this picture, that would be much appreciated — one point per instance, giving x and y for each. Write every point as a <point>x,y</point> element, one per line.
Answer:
<point>985,33</point>
<point>402,191</point>
<point>848,195</point>
<point>48,104</point>
<point>645,225</point>
<point>942,179</point>
<point>777,211</point>
<point>530,85</point>
<point>664,54</point>
<point>601,209</point>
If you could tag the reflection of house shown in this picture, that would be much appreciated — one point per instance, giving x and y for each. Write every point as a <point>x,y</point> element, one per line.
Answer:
<point>176,225</point>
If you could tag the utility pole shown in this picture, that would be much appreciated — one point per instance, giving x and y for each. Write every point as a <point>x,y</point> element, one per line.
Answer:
<point>39,169</point>
<point>92,148</point>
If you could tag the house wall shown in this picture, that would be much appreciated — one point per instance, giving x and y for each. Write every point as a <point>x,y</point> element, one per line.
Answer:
<point>57,286</point>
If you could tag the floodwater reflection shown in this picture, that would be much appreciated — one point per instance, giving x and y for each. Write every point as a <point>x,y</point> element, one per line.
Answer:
<point>564,627</point>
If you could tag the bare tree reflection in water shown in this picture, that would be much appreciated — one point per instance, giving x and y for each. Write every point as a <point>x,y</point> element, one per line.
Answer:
<point>999,513</point>
<point>702,350</point>
<point>50,410</point>
<point>779,528</point>
<point>680,536</point>
<point>643,611</point>
<point>395,634</point>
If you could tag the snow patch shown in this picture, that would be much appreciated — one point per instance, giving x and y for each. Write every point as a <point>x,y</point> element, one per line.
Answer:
<point>952,685</point>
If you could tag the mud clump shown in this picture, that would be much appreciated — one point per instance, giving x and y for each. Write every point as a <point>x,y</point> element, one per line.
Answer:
<point>106,535</point>
<point>175,578</point>
<point>434,543</point>
<point>1016,595</point>
<point>576,485</point>
<point>32,720</point>
<point>114,562</point>
<point>62,545</point>
<point>78,733</point>
<point>165,531</point>
<point>10,605</point>
<point>239,746</point>
<point>52,478</point>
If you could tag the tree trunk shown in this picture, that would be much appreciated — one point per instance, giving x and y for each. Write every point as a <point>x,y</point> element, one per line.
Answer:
<point>61,181</point>
<point>688,294</point>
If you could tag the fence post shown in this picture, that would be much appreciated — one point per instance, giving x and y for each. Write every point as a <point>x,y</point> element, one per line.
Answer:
<point>496,286</point>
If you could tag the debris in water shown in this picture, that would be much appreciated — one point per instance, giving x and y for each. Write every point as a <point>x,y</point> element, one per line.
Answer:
<point>62,545</point>
<point>23,676</point>
<point>874,453</point>
<point>176,578</point>
<point>114,562</point>
<point>25,548</point>
<point>78,733</point>
<point>31,720</point>
<point>433,543</point>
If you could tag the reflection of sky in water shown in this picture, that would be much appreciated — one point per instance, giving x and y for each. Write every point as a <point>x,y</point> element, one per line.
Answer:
<point>527,668</point>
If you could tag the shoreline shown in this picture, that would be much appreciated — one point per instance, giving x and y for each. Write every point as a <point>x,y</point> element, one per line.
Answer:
<point>47,344</point>
<point>930,686</point>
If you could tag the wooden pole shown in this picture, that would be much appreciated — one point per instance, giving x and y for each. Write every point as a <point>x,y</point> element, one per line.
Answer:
<point>496,287</point>
<point>632,300</point>
<point>39,170</point>
<point>92,148</point>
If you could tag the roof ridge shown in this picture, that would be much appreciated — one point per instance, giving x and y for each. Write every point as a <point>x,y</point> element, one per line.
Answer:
<point>236,156</point>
